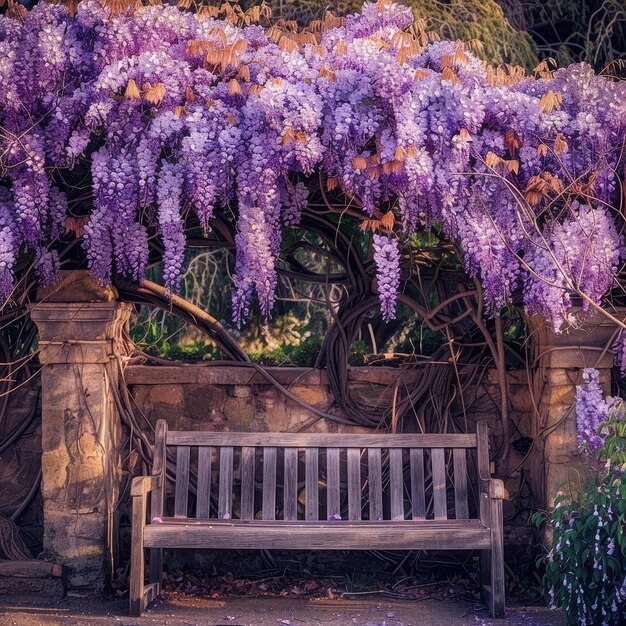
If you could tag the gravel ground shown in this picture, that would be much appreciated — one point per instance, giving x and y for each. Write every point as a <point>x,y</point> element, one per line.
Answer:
<point>176,609</point>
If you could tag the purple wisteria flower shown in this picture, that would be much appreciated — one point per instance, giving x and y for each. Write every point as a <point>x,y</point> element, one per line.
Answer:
<point>181,116</point>
<point>387,259</point>
<point>592,408</point>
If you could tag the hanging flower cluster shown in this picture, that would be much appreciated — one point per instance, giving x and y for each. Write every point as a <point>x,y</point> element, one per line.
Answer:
<point>387,257</point>
<point>592,410</point>
<point>179,113</point>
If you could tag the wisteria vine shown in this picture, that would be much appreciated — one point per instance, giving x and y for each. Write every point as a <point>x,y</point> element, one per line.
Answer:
<point>179,113</point>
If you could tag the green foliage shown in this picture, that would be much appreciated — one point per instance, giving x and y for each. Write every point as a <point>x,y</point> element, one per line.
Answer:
<point>586,567</point>
<point>358,353</point>
<point>154,336</point>
<point>422,340</point>
<point>157,340</point>
<point>482,20</point>
<point>297,355</point>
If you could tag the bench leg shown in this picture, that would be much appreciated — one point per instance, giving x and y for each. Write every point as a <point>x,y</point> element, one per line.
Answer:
<point>156,567</point>
<point>485,575</point>
<point>137,557</point>
<point>497,560</point>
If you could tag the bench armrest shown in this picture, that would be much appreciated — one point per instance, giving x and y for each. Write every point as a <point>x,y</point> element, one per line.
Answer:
<point>496,489</point>
<point>492,488</point>
<point>142,485</point>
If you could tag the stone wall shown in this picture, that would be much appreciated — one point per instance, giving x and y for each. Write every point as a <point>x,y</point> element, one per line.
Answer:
<point>230,398</point>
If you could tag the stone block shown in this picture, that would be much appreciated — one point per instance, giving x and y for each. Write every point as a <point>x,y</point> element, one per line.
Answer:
<point>271,413</point>
<point>239,414</point>
<point>562,439</point>
<point>353,430</point>
<point>77,286</point>
<point>204,403</point>
<point>520,399</point>
<point>371,395</point>
<point>30,580</point>
<point>559,395</point>
<point>242,391</point>
<point>167,394</point>
<point>315,396</point>
<point>574,376</point>
<point>577,357</point>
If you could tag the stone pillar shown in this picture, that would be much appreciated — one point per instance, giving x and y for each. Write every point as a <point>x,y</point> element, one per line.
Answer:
<point>79,337</point>
<point>559,361</point>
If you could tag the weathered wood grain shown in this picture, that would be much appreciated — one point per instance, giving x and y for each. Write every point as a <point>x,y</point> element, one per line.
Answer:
<point>180,531</point>
<point>269,483</point>
<point>247,482</point>
<point>459,459</point>
<point>375,482</point>
<point>311,483</point>
<point>418,495</point>
<point>157,499</point>
<point>290,484</point>
<point>137,557</point>
<point>333,486</point>
<point>354,483</point>
<point>203,501</point>
<point>340,535</point>
<point>482,453</point>
<point>225,495</point>
<point>497,555</point>
<point>181,490</point>
<point>440,506</point>
<point>396,484</point>
<point>320,440</point>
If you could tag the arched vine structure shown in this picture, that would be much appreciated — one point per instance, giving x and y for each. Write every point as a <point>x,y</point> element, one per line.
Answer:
<point>436,289</point>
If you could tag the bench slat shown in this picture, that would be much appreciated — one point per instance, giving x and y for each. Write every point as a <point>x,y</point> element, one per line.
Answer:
<point>290,484</point>
<point>333,486</point>
<point>225,500</point>
<point>269,483</point>
<point>311,462</point>
<point>396,484</point>
<point>325,536</point>
<point>375,480</point>
<point>203,503</point>
<point>460,484</point>
<point>181,491</point>
<point>354,483</point>
<point>247,483</point>
<point>320,440</point>
<point>440,506</point>
<point>418,497</point>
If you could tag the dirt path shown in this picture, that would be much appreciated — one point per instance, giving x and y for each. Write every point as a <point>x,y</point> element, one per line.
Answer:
<point>181,610</point>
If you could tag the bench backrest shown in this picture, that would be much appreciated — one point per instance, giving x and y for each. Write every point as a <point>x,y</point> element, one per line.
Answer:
<point>314,476</point>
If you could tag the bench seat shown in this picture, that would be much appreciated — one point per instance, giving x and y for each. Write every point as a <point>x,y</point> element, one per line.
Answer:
<point>330,535</point>
<point>317,491</point>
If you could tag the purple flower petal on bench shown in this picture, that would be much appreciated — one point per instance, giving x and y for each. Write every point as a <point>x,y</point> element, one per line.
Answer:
<point>157,520</point>
<point>335,517</point>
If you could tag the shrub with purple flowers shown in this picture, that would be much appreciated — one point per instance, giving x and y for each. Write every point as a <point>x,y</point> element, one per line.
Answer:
<point>586,566</point>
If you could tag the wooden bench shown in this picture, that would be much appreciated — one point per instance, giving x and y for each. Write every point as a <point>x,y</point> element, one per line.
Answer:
<point>398,492</point>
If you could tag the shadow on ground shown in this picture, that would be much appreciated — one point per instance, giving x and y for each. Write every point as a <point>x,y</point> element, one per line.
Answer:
<point>176,609</point>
